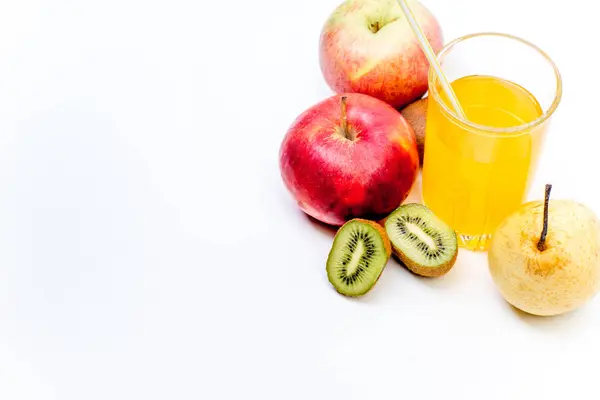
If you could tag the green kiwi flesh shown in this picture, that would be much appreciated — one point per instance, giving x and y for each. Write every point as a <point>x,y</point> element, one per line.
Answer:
<point>358,256</point>
<point>425,244</point>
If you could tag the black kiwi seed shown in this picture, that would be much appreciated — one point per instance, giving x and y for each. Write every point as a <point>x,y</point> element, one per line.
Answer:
<point>359,254</point>
<point>422,241</point>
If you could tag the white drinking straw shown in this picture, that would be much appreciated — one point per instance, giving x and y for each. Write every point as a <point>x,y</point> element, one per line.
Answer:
<point>433,61</point>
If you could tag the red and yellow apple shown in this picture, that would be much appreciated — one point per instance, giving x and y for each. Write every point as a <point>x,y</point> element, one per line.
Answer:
<point>349,156</point>
<point>368,47</point>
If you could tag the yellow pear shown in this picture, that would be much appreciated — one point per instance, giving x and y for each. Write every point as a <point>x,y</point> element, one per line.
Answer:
<point>545,257</point>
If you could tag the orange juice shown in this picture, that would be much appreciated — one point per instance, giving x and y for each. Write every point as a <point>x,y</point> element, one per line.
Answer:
<point>473,177</point>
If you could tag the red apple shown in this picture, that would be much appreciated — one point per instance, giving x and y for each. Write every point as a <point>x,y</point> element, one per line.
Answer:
<point>368,47</point>
<point>349,156</point>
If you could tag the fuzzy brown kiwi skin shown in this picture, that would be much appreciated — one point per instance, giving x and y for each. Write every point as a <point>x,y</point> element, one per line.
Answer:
<point>428,272</point>
<point>381,230</point>
<point>388,251</point>
<point>416,116</point>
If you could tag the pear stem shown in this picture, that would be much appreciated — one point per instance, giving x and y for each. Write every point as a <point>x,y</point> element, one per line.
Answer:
<point>542,243</point>
<point>344,120</point>
<point>375,27</point>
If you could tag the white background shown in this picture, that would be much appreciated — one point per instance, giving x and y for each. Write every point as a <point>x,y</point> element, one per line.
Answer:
<point>148,249</point>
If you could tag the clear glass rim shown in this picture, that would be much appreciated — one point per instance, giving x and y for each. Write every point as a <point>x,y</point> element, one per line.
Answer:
<point>516,130</point>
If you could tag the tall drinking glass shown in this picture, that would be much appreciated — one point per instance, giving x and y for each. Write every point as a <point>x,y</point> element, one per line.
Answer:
<point>478,171</point>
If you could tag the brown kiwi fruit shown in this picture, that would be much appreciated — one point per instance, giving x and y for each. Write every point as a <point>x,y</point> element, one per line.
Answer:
<point>360,252</point>
<point>416,114</point>
<point>425,244</point>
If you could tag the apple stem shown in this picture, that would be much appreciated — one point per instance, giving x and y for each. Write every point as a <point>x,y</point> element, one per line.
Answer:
<point>344,120</point>
<point>542,243</point>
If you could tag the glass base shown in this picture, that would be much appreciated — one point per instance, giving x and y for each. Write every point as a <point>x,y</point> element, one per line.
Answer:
<point>469,242</point>
<point>474,243</point>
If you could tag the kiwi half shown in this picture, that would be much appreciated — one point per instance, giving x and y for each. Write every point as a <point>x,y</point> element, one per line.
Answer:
<point>424,243</point>
<point>360,252</point>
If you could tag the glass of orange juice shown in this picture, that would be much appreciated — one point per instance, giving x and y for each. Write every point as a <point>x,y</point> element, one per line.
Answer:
<point>477,171</point>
